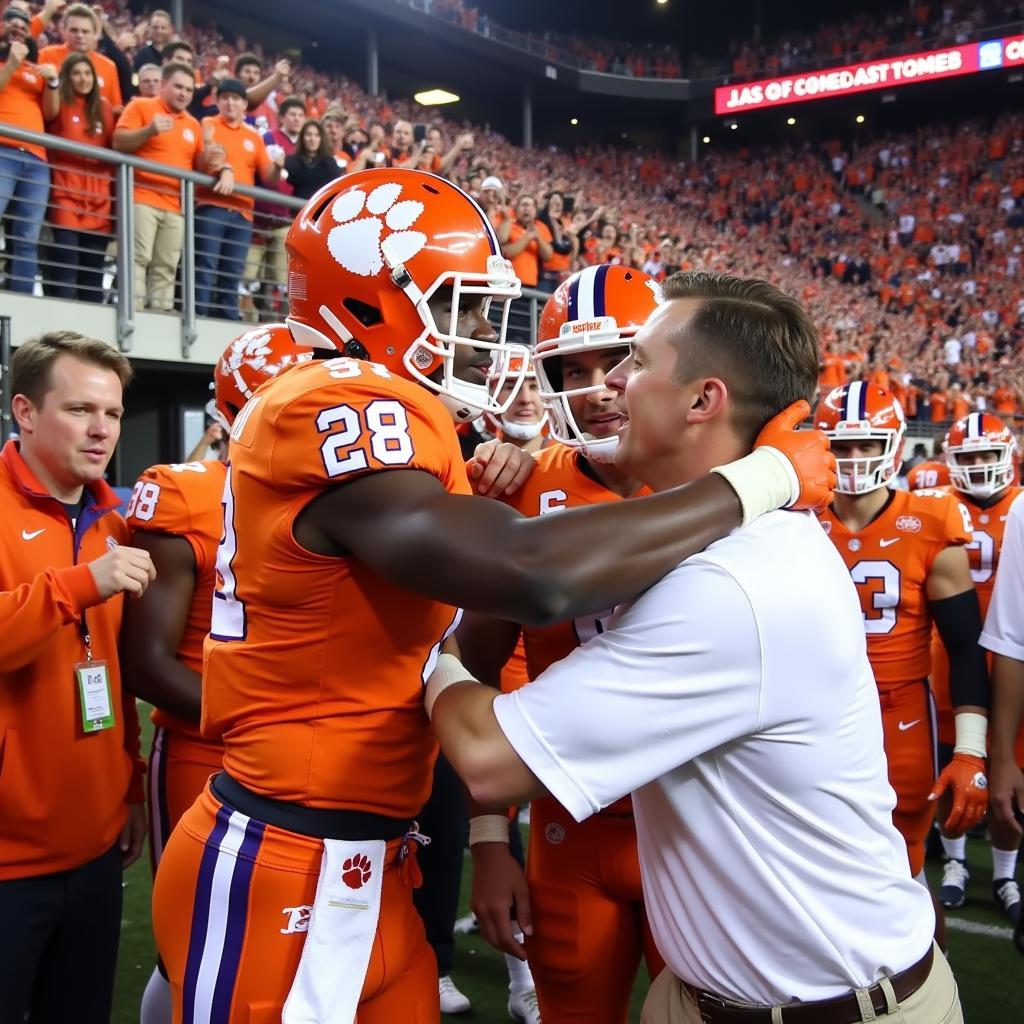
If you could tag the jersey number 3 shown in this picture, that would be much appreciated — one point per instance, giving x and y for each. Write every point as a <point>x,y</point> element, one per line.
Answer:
<point>878,584</point>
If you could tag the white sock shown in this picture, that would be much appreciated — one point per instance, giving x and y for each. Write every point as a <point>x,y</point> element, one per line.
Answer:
<point>519,977</point>
<point>156,1000</point>
<point>1004,864</point>
<point>955,849</point>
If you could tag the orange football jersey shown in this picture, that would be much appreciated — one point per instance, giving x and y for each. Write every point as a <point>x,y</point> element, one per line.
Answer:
<point>983,551</point>
<point>928,474</point>
<point>315,666</point>
<point>556,484</point>
<point>890,560</point>
<point>184,500</point>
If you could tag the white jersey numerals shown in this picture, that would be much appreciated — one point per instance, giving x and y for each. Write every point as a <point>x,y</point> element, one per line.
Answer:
<point>142,504</point>
<point>385,421</point>
<point>228,621</point>
<point>880,583</point>
<point>985,547</point>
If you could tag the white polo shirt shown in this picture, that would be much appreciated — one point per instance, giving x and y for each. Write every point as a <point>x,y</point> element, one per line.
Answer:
<point>1004,623</point>
<point>734,699</point>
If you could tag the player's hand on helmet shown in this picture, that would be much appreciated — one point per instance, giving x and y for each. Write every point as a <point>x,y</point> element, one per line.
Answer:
<point>965,777</point>
<point>124,569</point>
<point>500,897</point>
<point>1005,786</point>
<point>807,452</point>
<point>498,468</point>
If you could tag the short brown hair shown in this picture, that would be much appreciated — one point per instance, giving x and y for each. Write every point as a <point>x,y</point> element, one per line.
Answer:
<point>760,341</point>
<point>82,11</point>
<point>175,67</point>
<point>32,362</point>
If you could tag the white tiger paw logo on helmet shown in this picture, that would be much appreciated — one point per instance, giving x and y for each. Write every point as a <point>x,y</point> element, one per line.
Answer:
<point>359,242</point>
<point>252,348</point>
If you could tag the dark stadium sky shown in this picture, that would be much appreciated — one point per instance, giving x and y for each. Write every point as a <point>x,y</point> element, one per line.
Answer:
<point>694,25</point>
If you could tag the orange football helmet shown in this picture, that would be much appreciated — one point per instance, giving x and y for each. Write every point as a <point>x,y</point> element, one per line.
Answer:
<point>250,360</point>
<point>601,307</point>
<point>366,254</point>
<point>863,412</point>
<point>980,432</point>
<point>518,430</point>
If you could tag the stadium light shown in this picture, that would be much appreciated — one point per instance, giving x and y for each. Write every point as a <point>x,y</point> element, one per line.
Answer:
<point>661,3</point>
<point>734,126</point>
<point>706,139</point>
<point>860,119</point>
<point>434,97</point>
<point>574,120</point>
<point>791,121</point>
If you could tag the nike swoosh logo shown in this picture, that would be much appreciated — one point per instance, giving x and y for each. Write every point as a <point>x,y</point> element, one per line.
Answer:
<point>887,542</point>
<point>25,535</point>
<point>904,726</point>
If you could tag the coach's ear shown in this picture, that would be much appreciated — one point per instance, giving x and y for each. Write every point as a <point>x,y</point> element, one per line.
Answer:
<point>708,398</point>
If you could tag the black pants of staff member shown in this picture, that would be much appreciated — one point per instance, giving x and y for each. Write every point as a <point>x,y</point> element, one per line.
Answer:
<point>443,818</point>
<point>58,944</point>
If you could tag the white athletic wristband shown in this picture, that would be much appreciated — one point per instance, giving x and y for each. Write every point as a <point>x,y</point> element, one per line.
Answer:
<point>764,480</point>
<point>971,734</point>
<point>447,672</point>
<point>488,828</point>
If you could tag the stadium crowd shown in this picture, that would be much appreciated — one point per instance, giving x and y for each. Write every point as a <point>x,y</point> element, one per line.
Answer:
<point>905,249</point>
<point>920,25</point>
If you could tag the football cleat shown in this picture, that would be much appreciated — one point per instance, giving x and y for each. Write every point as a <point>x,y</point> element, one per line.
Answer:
<point>1006,894</point>
<point>953,890</point>
<point>452,1000</point>
<point>522,1006</point>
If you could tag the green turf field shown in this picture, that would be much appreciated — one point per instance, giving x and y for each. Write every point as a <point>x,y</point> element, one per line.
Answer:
<point>990,972</point>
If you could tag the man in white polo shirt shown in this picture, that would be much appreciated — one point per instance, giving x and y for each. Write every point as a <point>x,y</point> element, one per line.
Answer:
<point>1003,635</point>
<point>735,701</point>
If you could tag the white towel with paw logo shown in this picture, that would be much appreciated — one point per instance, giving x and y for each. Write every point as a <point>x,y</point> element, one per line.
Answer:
<point>342,926</point>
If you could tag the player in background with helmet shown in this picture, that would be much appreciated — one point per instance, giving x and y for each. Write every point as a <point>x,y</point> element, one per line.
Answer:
<point>933,473</point>
<point>175,514</point>
<point>582,893</point>
<point>979,451</point>
<point>523,423</point>
<point>350,543</point>
<point>907,555</point>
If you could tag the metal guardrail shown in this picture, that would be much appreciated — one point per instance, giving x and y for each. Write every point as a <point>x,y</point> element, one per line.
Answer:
<point>122,289</point>
<point>54,259</point>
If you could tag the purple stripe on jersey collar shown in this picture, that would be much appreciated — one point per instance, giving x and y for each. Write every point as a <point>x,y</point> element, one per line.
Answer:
<point>201,914</point>
<point>237,916</point>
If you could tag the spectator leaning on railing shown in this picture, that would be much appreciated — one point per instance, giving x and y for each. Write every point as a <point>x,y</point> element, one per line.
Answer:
<point>28,94</point>
<point>224,218</point>
<point>163,131</point>
<point>81,35</point>
<point>80,203</point>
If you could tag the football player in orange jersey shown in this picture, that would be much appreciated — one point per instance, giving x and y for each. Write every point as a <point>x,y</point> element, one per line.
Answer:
<point>933,473</point>
<point>584,897</point>
<point>980,450</point>
<point>175,514</point>
<point>907,554</point>
<point>349,542</point>
<point>523,423</point>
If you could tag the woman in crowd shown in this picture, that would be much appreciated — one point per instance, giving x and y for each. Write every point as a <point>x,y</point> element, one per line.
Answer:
<point>563,240</point>
<point>312,165</point>
<point>81,208</point>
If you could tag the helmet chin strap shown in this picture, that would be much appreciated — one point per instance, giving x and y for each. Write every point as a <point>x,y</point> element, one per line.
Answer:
<point>464,401</point>
<point>520,431</point>
<point>601,451</point>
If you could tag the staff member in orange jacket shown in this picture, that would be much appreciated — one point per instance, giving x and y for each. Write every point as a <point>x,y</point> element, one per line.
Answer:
<point>71,793</point>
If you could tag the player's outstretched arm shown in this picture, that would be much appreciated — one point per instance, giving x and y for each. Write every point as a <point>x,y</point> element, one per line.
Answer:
<point>152,628</point>
<point>538,571</point>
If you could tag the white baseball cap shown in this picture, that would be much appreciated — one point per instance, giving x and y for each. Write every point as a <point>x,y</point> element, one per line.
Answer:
<point>491,182</point>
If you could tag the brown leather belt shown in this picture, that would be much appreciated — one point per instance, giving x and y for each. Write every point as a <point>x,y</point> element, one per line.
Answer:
<point>841,1010</point>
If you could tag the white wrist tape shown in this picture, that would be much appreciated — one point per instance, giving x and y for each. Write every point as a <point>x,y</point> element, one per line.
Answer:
<point>971,734</point>
<point>447,672</point>
<point>488,828</point>
<point>764,480</point>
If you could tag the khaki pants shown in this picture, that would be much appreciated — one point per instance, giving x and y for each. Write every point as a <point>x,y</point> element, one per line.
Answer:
<point>935,1002</point>
<point>159,235</point>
